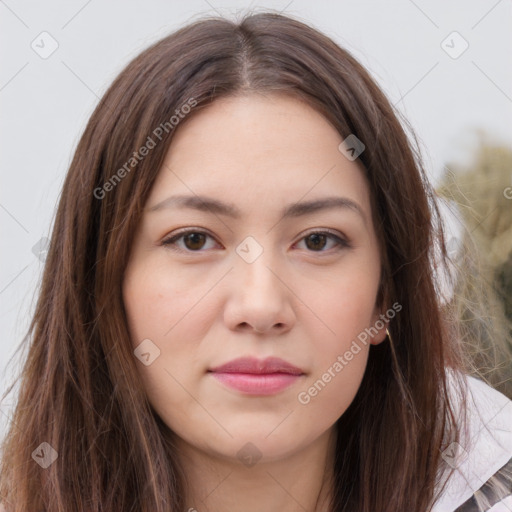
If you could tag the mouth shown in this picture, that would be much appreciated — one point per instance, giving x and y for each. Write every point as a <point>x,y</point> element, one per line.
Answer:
<point>253,376</point>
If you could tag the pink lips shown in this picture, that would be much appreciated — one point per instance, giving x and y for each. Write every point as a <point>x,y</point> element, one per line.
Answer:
<point>257,377</point>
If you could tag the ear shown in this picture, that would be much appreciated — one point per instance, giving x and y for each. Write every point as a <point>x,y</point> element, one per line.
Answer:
<point>379,324</point>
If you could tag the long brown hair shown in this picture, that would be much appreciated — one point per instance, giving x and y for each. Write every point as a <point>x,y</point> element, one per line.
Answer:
<point>80,388</point>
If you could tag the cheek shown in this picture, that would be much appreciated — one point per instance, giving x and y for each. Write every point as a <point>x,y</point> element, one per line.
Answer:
<point>160,304</point>
<point>345,304</point>
<point>170,310</point>
<point>164,311</point>
<point>330,391</point>
<point>341,355</point>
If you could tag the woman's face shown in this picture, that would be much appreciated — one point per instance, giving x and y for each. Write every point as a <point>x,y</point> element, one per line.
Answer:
<point>280,261</point>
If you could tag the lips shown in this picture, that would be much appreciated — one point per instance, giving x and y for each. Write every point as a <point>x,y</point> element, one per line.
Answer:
<point>253,376</point>
<point>258,366</point>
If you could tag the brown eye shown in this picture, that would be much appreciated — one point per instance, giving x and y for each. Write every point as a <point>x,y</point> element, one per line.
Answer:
<point>190,241</point>
<point>316,241</point>
<point>324,242</point>
<point>194,241</point>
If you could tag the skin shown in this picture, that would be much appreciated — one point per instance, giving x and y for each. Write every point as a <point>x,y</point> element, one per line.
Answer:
<point>303,299</point>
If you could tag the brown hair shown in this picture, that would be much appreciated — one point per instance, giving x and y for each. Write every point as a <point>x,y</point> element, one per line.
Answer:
<point>80,388</point>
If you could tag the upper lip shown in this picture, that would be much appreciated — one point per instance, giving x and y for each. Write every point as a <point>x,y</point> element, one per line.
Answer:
<point>257,366</point>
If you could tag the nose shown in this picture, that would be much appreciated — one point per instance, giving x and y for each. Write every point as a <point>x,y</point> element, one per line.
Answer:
<point>259,300</point>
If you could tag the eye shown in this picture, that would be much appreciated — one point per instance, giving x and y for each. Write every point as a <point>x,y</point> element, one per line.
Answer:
<point>195,240</point>
<point>317,241</point>
<point>192,240</point>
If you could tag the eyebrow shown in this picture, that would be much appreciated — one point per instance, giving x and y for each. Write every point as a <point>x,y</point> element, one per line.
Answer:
<point>209,204</point>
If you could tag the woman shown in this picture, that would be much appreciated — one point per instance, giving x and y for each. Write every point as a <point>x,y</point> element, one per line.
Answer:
<point>238,309</point>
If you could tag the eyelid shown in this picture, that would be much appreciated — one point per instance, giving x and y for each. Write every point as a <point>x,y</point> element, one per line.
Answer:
<point>169,242</point>
<point>323,231</point>
<point>341,240</point>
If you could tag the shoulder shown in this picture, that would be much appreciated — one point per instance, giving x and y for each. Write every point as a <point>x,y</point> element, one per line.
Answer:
<point>482,461</point>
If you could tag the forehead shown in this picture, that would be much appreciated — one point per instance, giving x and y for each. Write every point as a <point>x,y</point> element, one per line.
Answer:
<point>275,148</point>
<point>264,123</point>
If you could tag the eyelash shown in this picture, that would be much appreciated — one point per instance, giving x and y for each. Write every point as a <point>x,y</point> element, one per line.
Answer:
<point>170,243</point>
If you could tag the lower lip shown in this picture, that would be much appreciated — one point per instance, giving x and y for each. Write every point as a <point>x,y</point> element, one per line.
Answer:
<point>257,384</point>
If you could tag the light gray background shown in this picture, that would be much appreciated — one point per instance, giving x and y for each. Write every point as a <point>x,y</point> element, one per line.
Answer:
<point>46,102</point>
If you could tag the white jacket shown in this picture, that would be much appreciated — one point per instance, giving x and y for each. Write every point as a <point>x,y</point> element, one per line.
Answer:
<point>489,454</point>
